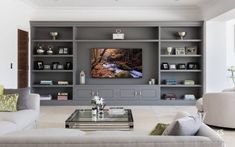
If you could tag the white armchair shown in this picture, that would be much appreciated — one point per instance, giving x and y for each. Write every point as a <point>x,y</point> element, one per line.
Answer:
<point>219,109</point>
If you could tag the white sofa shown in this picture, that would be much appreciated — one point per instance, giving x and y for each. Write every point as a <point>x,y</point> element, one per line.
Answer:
<point>219,109</point>
<point>22,119</point>
<point>206,137</point>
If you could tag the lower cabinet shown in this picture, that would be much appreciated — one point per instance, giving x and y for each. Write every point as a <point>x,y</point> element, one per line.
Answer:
<point>118,94</point>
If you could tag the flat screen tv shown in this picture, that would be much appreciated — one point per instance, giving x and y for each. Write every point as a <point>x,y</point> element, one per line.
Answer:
<point>116,63</point>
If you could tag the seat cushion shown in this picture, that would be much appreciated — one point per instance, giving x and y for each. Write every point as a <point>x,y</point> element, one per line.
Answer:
<point>23,96</point>
<point>6,127</point>
<point>55,132</point>
<point>21,118</point>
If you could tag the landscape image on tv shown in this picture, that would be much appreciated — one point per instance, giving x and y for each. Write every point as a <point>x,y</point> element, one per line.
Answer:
<point>116,63</point>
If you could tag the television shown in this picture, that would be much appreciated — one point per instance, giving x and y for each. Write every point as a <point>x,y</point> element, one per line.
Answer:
<point>116,63</point>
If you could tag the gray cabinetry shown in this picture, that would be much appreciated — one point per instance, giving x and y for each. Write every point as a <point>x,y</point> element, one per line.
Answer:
<point>130,94</point>
<point>152,37</point>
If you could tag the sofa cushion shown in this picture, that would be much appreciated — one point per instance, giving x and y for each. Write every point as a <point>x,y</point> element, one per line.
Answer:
<point>55,132</point>
<point>8,102</point>
<point>6,127</point>
<point>23,96</point>
<point>159,129</point>
<point>1,90</point>
<point>186,126</point>
<point>21,118</point>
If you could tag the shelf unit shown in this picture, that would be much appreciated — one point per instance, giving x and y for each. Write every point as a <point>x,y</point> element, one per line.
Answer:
<point>152,37</point>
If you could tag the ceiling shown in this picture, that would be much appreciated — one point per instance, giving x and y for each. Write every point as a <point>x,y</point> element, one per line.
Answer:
<point>116,3</point>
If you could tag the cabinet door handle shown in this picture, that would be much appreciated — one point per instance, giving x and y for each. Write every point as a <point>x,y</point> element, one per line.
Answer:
<point>136,93</point>
<point>92,93</point>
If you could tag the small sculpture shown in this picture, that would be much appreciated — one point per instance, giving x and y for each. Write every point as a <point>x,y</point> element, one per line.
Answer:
<point>50,51</point>
<point>169,50</point>
<point>40,50</point>
<point>82,77</point>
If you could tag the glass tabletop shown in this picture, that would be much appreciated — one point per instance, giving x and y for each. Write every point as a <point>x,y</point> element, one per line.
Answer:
<point>85,115</point>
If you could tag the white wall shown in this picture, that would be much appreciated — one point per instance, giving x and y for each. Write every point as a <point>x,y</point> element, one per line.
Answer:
<point>14,15</point>
<point>216,68</point>
<point>118,14</point>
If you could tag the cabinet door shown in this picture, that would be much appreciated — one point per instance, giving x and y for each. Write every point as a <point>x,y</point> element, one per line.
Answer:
<point>148,93</point>
<point>128,93</point>
<point>106,93</point>
<point>83,93</point>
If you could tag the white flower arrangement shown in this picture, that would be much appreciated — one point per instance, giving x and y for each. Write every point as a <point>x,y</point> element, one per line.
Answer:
<point>232,70</point>
<point>98,102</point>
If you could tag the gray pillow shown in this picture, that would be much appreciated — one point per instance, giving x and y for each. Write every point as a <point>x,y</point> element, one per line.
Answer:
<point>185,126</point>
<point>23,95</point>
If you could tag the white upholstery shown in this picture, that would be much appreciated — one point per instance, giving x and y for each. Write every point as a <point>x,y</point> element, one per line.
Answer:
<point>219,109</point>
<point>206,137</point>
<point>23,119</point>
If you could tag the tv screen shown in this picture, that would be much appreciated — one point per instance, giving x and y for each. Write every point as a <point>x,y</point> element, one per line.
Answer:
<point>116,63</point>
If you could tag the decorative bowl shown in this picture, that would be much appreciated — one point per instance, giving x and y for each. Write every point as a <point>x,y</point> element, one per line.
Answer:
<point>181,34</point>
<point>54,35</point>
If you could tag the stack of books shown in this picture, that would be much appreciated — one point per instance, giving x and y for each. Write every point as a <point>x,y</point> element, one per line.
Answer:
<point>46,82</point>
<point>62,96</point>
<point>63,82</point>
<point>46,97</point>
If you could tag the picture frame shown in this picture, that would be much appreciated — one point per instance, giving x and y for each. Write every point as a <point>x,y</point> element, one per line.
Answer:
<point>192,65</point>
<point>165,66</point>
<point>180,51</point>
<point>38,65</point>
<point>47,67</point>
<point>191,50</point>
<point>61,51</point>
<point>55,65</point>
<point>68,66</point>
<point>60,66</point>
<point>172,66</point>
<point>181,66</point>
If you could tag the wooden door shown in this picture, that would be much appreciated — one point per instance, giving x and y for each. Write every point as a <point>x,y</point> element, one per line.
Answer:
<point>22,59</point>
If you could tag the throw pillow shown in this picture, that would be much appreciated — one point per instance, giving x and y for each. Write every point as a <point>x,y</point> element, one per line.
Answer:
<point>1,89</point>
<point>23,96</point>
<point>186,126</point>
<point>8,102</point>
<point>159,129</point>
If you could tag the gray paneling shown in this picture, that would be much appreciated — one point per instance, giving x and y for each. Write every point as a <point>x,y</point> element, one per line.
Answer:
<point>106,33</point>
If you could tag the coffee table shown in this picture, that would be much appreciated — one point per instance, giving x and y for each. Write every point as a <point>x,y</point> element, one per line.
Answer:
<point>84,120</point>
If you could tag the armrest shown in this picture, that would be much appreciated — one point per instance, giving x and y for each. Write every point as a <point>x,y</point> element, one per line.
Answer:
<point>33,102</point>
<point>208,132</point>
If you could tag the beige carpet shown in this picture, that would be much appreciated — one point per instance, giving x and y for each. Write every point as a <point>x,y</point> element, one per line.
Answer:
<point>145,118</point>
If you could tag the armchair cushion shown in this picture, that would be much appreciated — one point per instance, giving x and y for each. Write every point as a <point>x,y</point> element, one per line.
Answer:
<point>23,96</point>
<point>1,90</point>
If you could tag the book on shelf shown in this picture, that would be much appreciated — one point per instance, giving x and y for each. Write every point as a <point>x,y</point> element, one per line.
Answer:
<point>46,97</point>
<point>62,96</point>
<point>46,82</point>
<point>63,82</point>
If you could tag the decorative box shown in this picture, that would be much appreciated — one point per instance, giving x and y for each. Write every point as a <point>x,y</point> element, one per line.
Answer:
<point>118,35</point>
<point>170,82</point>
<point>189,82</point>
<point>189,97</point>
<point>169,96</point>
<point>62,96</point>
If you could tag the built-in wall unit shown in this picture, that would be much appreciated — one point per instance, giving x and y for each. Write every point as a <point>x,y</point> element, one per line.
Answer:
<point>126,63</point>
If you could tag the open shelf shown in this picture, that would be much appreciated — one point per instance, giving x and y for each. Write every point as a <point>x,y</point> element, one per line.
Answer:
<point>55,86</point>
<point>52,70</point>
<point>181,70</point>
<point>181,86</point>
<point>52,40</point>
<point>180,56</point>
<point>179,40</point>
<point>53,56</point>
<point>122,41</point>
